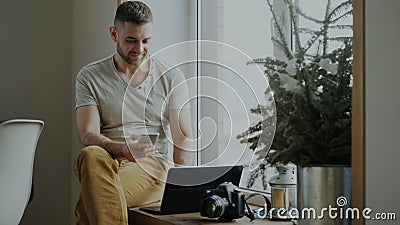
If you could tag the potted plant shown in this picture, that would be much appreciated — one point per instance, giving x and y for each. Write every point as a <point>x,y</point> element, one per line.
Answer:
<point>310,108</point>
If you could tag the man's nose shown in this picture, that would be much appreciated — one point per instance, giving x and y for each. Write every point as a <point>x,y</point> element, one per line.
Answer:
<point>139,48</point>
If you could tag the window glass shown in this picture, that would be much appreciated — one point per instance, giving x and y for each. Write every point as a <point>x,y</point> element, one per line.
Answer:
<point>243,28</point>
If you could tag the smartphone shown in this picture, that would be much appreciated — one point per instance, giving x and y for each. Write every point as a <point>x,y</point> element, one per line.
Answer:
<point>150,137</point>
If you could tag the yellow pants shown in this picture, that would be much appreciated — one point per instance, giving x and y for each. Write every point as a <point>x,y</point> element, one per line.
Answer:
<point>108,186</point>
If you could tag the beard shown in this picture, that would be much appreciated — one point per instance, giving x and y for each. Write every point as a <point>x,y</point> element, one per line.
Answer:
<point>128,59</point>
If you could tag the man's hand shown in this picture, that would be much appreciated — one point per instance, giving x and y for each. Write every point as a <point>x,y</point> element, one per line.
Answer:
<point>137,150</point>
<point>88,120</point>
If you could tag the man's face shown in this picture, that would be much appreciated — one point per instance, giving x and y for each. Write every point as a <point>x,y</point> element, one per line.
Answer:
<point>132,41</point>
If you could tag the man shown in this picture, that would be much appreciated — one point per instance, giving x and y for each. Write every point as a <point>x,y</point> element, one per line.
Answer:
<point>118,98</point>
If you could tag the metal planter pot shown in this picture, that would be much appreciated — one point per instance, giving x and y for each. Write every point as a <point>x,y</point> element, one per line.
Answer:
<point>324,194</point>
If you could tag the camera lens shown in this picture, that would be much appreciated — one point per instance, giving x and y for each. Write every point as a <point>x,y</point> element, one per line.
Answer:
<point>214,206</point>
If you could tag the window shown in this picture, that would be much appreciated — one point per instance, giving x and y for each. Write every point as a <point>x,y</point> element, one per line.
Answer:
<point>243,29</point>
<point>246,25</point>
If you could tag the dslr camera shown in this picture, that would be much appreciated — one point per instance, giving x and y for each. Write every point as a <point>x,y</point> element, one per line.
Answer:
<point>225,202</point>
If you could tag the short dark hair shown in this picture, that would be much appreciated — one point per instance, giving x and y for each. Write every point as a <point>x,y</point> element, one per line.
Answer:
<point>135,12</point>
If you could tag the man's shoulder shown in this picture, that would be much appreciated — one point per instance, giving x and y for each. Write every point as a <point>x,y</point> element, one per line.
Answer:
<point>96,67</point>
<point>105,62</point>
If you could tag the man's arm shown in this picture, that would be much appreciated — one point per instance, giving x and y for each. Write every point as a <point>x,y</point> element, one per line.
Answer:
<point>181,131</point>
<point>88,121</point>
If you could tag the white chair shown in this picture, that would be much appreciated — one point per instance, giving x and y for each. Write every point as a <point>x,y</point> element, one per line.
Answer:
<point>18,140</point>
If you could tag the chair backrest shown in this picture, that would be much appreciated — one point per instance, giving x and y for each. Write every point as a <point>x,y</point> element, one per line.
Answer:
<point>18,140</point>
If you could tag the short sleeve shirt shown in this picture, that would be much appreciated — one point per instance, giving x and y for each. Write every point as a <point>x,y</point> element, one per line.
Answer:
<point>125,109</point>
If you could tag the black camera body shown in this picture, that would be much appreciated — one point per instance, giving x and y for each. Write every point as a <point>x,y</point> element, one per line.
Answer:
<point>225,202</point>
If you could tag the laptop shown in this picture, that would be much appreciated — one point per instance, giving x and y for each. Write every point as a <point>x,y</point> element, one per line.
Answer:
<point>185,185</point>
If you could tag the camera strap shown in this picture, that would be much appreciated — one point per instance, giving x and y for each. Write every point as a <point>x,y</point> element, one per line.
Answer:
<point>258,213</point>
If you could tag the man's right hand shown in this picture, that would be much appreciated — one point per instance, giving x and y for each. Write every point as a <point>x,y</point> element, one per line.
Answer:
<point>138,150</point>
<point>88,120</point>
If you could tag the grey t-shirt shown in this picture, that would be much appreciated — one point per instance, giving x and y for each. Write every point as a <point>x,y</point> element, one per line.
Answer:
<point>125,109</point>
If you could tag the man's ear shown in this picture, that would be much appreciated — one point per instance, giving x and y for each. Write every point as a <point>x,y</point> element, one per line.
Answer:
<point>113,33</point>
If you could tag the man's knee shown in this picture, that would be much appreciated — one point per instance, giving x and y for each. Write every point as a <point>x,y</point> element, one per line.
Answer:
<point>92,154</point>
<point>91,157</point>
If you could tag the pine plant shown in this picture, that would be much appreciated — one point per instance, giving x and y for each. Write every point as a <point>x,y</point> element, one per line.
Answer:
<point>311,95</point>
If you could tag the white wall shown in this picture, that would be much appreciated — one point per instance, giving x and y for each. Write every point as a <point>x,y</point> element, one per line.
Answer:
<point>382,107</point>
<point>171,22</point>
<point>35,62</point>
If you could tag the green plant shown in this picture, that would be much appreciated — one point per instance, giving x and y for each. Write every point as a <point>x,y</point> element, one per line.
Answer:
<point>311,95</point>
